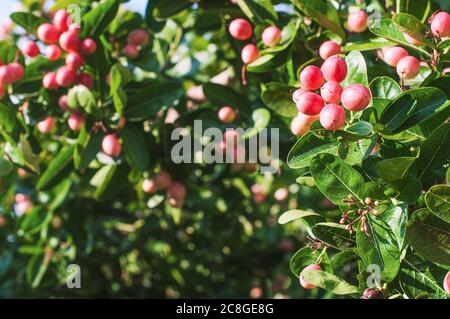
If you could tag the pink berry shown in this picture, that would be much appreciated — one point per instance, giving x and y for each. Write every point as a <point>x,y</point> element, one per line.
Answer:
<point>393,55</point>
<point>271,36</point>
<point>311,78</point>
<point>412,40</point>
<point>53,52</point>
<point>63,103</point>
<point>176,194</point>
<point>5,76</point>
<point>65,76</point>
<point>357,21</point>
<point>16,71</point>
<point>440,24</point>
<point>231,136</point>
<point>303,282</point>
<point>329,49</point>
<point>88,47</point>
<point>23,207</point>
<point>130,51</point>
<point>111,145</point>
<point>86,80</point>
<point>296,95</point>
<point>310,103</point>
<point>356,97</point>
<point>49,81</point>
<point>30,49</point>
<point>281,194</point>
<point>76,121</point>
<point>332,117</point>
<point>408,67</point>
<point>249,53</point>
<point>331,92</point>
<point>301,123</point>
<point>74,60</point>
<point>334,69</point>
<point>61,20</point>
<point>69,41</point>
<point>74,29</point>
<point>163,180</point>
<point>48,33</point>
<point>138,37</point>
<point>20,197</point>
<point>149,185</point>
<point>447,283</point>
<point>240,29</point>
<point>227,114</point>
<point>47,125</point>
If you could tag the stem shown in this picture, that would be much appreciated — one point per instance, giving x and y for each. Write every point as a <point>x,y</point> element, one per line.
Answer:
<point>319,259</point>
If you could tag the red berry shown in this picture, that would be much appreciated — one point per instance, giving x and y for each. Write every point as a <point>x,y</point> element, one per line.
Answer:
<point>176,194</point>
<point>48,33</point>
<point>149,186</point>
<point>76,121</point>
<point>331,92</point>
<point>16,71</point>
<point>311,78</point>
<point>310,103</point>
<point>332,117</point>
<point>393,55</point>
<point>65,76</point>
<point>88,47</point>
<point>69,41</point>
<point>271,36</point>
<point>227,114</point>
<point>412,40</point>
<point>356,97</point>
<point>357,21</point>
<point>240,29</point>
<point>408,67</point>
<point>53,52</point>
<point>74,61</point>
<point>30,49</point>
<point>296,95</point>
<point>329,49</point>
<point>130,51</point>
<point>138,37</point>
<point>63,104</point>
<point>447,283</point>
<point>163,180</point>
<point>334,69</point>
<point>303,282</point>
<point>301,123</point>
<point>372,294</point>
<point>61,20</point>
<point>86,80</point>
<point>440,24</point>
<point>111,145</point>
<point>249,53</point>
<point>47,125</point>
<point>49,81</point>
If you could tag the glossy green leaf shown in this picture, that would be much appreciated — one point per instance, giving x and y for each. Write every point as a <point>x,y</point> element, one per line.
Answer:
<point>438,201</point>
<point>413,27</point>
<point>27,20</point>
<point>278,97</point>
<point>394,169</point>
<point>135,148</point>
<point>357,70</point>
<point>385,87</point>
<point>329,282</point>
<point>61,165</point>
<point>98,19</point>
<point>307,147</point>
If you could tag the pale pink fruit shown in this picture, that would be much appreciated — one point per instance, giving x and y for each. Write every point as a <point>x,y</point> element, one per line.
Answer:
<point>311,78</point>
<point>111,145</point>
<point>303,282</point>
<point>332,117</point>
<point>271,36</point>
<point>301,123</point>
<point>49,81</point>
<point>334,69</point>
<point>48,33</point>
<point>138,37</point>
<point>88,47</point>
<point>163,180</point>
<point>249,53</point>
<point>69,41</point>
<point>408,67</point>
<point>61,20</point>
<point>20,197</point>
<point>357,21</point>
<point>76,121</point>
<point>310,103</point>
<point>356,97</point>
<point>331,92</point>
<point>65,76</point>
<point>74,60</point>
<point>446,283</point>
<point>296,95</point>
<point>130,51</point>
<point>53,52</point>
<point>23,207</point>
<point>30,49</point>
<point>281,194</point>
<point>240,29</point>
<point>16,71</point>
<point>329,49</point>
<point>393,55</point>
<point>226,114</point>
<point>63,104</point>
<point>149,185</point>
<point>440,24</point>
<point>47,125</point>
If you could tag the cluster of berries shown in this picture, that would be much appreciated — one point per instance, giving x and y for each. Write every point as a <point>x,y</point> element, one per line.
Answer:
<point>136,40</point>
<point>9,74</point>
<point>176,191</point>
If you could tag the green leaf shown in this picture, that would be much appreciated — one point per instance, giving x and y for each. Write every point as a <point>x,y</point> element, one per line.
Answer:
<point>7,118</point>
<point>407,190</point>
<point>336,179</point>
<point>323,12</point>
<point>396,217</point>
<point>357,70</point>
<point>368,46</point>
<point>258,11</point>
<point>329,282</point>
<point>81,96</point>
<point>278,97</point>
<point>394,169</point>
<point>261,119</point>
<point>86,154</point>
<point>60,166</point>
<point>164,9</point>
<point>418,8</point>
<point>411,108</point>
<point>135,149</point>
<point>379,248</point>
<point>307,147</point>
<point>34,220</point>
<point>385,87</point>
<point>429,236</point>
<point>413,27</point>
<point>97,20</point>
<point>434,152</point>
<point>438,201</point>
<point>28,21</point>
<point>334,235</point>
<point>294,214</point>
<point>109,180</point>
